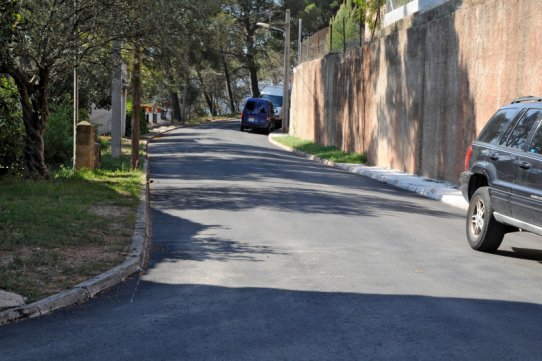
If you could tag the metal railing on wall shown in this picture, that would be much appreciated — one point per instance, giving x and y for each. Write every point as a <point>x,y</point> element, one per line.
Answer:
<point>331,41</point>
<point>315,46</point>
<point>344,32</point>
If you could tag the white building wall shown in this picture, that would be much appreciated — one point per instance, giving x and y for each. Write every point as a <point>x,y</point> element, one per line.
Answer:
<point>409,9</point>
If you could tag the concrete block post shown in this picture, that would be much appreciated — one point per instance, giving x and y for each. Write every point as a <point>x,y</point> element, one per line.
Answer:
<point>85,146</point>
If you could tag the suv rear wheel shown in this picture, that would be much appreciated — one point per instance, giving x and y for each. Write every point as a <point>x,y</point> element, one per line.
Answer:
<point>484,233</point>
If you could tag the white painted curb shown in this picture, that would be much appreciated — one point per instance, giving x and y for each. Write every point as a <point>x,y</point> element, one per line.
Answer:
<point>441,191</point>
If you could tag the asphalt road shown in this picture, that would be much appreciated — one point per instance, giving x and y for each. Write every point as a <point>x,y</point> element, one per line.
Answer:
<point>261,255</point>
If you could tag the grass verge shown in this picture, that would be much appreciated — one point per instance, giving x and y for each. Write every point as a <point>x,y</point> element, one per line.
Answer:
<point>325,152</point>
<point>55,234</point>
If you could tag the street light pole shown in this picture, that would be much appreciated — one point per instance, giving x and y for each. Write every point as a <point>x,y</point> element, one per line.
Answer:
<point>299,47</point>
<point>286,70</point>
<point>75,95</point>
<point>286,92</point>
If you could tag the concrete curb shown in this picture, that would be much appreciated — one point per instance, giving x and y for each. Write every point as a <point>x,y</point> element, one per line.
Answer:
<point>444,192</point>
<point>85,291</point>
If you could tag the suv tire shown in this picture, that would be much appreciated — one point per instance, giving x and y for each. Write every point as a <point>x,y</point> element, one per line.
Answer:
<point>484,233</point>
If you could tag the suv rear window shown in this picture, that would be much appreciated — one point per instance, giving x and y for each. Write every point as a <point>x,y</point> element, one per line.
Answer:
<point>521,131</point>
<point>497,125</point>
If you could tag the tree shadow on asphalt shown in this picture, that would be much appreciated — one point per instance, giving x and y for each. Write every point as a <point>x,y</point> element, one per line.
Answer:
<point>237,178</point>
<point>210,322</point>
<point>233,161</point>
<point>178,239</point>
<point>298,200</point>
<point>256,164</point>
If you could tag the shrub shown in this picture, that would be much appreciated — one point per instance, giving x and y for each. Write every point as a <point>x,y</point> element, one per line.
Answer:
<point>58,136</point>
<point>143,128</point>
<point>11,126</point>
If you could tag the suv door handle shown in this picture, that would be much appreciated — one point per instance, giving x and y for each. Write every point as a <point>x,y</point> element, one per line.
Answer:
<point>493,156</point>
<point>525,165</point>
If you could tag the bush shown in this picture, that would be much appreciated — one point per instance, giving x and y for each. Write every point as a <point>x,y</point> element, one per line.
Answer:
<point>58,136</point>
<point>143,128</point>
<point>12,131</point>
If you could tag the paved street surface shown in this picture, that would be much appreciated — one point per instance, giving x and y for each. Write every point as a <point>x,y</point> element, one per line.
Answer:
<point>261,255</point>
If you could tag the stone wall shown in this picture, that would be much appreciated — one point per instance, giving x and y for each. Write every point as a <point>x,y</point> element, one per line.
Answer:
<point>415,98</point>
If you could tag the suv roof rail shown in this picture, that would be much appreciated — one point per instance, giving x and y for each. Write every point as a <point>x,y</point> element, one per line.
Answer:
<point>527,98</point>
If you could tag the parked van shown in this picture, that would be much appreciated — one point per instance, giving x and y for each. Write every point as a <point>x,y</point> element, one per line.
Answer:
<point>275,95</point>
<point>258,113</point>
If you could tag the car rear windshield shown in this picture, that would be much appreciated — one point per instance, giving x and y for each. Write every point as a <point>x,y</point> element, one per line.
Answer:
<point>275,99</point>
<point>255,107</point>
<point>497,125</point>
<point>250,106</point>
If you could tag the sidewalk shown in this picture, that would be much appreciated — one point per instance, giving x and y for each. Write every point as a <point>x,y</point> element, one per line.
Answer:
<point>438,190</point>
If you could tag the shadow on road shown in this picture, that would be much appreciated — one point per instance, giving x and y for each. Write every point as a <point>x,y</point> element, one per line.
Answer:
<point>522,253</point>
<point>202,322</point>
<point>272,178</point>
<point>176,238</point>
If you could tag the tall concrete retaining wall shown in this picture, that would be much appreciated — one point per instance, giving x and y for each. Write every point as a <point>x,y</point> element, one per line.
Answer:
<point>415,98</point>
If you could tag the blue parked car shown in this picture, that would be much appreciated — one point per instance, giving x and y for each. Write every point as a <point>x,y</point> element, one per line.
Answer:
<point>258,114</point>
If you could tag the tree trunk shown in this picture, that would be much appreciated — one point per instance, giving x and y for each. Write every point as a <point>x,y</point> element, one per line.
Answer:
<point>251,50</point>
<point>208,97</point>
<point>209,101</point>
<point>176,107</point>
<point>185,115</point>
<point>233,108</point>
<point>136,113</point>
<point>253,70</point>
<point>116,102</point>
<point>34,103</point>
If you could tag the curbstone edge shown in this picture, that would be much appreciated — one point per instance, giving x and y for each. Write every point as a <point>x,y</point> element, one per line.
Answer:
<point>19,313</point>
<point>444,192</point>
<point>62,299</point>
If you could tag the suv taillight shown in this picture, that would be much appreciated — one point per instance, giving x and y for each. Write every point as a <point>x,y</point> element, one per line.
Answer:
<point>467,158</point>
<point>241,115</point>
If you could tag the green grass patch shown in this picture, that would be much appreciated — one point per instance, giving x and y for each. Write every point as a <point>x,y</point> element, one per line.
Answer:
<point>54,234</point>
<point>325,152</point>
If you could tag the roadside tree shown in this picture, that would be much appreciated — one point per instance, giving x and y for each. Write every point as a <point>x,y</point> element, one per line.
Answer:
<point>41,39</point>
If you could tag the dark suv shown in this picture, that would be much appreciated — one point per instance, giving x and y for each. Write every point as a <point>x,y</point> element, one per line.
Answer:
<point>502,180</point>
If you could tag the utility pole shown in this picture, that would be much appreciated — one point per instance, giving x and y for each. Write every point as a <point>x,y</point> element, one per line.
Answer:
<point>299,47</point>
<point>286,71</point>
<point>286,90</point>
<point>75,91</point>
<point>136,110</point>
<point>116,102</point>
